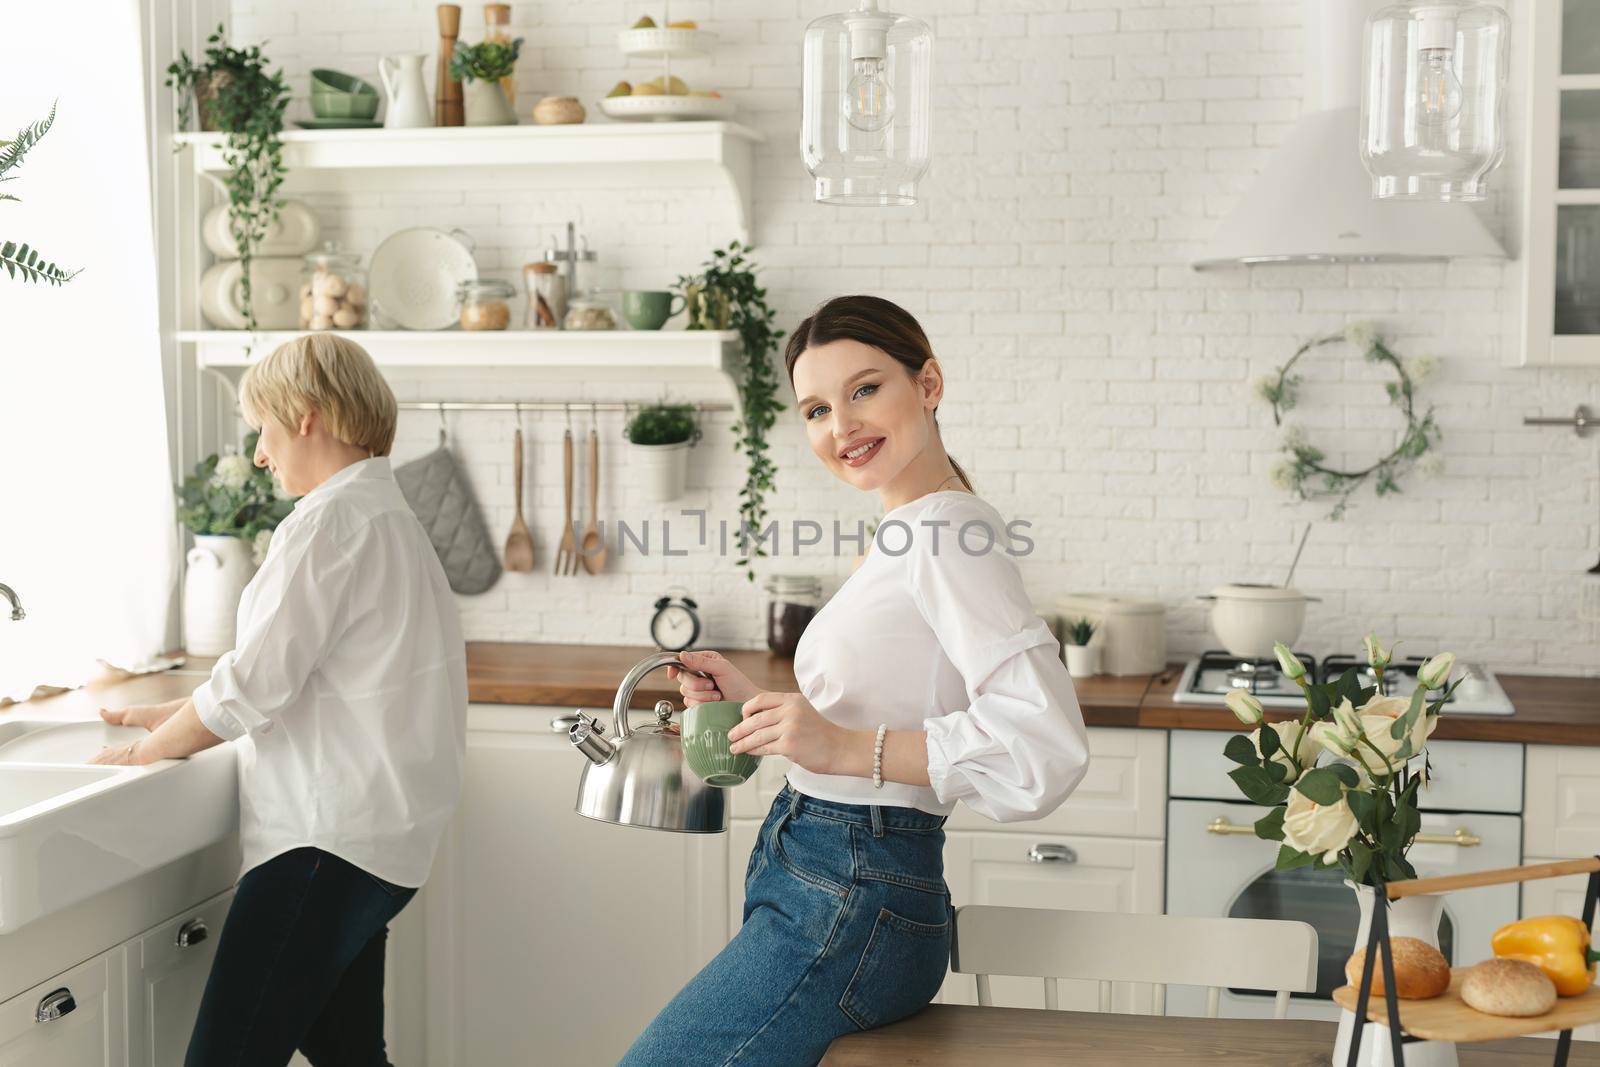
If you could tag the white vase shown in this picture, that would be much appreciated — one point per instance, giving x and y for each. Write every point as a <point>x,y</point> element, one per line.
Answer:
<point>485,104</point>
<point>1083,660</point>
<point>1416,917</point>
<point>666,469</point>
<point>219,569</point>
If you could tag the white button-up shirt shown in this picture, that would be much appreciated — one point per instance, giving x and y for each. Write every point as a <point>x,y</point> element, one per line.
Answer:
<point>347,691</point>
<point>931,633</point>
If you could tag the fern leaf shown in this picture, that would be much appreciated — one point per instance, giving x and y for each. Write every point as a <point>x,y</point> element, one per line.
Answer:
<point>8,196</point>
<point>26,138</point>
<point>33,267</point>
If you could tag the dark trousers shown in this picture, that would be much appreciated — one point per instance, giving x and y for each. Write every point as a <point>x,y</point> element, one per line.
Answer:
<point>299,966</point>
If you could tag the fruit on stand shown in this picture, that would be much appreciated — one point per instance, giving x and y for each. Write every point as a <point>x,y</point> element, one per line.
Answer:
<point>645,23</point>
<point>620,89</point>
<point>683,24</point>
<point>668,85</point>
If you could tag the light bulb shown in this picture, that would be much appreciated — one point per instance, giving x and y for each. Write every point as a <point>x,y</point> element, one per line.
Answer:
<point>1438,89</point>
<point>868,100</point>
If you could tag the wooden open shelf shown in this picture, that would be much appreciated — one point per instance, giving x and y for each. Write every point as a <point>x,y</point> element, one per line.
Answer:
<point>1446,1017</point>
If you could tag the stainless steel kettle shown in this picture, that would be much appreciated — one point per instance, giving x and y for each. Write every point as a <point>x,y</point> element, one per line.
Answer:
<point>639,778</point>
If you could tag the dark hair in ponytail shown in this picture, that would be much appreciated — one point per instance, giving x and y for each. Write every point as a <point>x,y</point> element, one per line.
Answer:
<point>874,321</point>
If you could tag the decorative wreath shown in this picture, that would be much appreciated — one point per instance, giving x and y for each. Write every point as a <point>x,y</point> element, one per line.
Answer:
<point>1302,471</point>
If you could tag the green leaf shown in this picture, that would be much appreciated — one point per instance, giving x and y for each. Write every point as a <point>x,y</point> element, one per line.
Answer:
<point>1290,858</point>
<point>1278,771</point>
<point>1270,826</point>
<point>1345,773</point>
<point>1320,707</point>
<point>1258,786</point>
<point>1241,751</point>
<point>11,155</point>
<point>1320,785</point>
<point>1270,743</point>
<point>1364,807</point>
<point>1347,688</point>
<point>1360,860</point>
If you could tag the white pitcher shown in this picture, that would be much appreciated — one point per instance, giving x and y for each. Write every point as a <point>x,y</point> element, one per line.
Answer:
<point>219,569</point>
<point>408,97</point>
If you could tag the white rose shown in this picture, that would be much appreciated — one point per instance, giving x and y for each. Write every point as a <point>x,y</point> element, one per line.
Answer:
<point>1287,731</point>
<point>1246,708</point>
<point>1435,673</point>
<point>1377,655</point>
<point>1294,667</point>
<point>1318,829</point>
<point>233,472</point>
<point>1375,718</point>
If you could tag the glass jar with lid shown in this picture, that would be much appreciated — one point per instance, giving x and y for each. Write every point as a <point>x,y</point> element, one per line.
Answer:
<point>333,290</point>
<point>793,600</point>
<point>485,304</point>
<point>547,296</point>
<point>589,312</point>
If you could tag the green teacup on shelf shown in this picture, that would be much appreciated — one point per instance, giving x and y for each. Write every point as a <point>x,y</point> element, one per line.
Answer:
<point>649,309</point>
<point>705,743</point>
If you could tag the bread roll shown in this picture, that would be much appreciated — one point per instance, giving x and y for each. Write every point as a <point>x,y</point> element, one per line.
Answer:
<point>1420,970</point>
<point>1508,987</point>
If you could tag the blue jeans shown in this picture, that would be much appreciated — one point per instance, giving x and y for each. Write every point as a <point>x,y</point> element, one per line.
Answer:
<point>847,926</point>
<point>299,966</point>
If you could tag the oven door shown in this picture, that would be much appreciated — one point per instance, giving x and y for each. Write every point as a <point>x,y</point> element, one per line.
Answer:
<point>1232,875</point>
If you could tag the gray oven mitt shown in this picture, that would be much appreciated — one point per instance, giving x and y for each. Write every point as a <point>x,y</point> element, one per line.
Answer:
<point>438,491</point>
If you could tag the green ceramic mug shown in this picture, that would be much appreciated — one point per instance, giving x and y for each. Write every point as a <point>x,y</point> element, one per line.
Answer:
<point>649,309</point>
<point>705,743</point>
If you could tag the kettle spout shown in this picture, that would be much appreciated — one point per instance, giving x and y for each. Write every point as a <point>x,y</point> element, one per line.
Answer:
<point>587,737</point>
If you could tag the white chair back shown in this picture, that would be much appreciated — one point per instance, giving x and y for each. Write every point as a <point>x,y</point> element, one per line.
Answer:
<point>1107,947</point>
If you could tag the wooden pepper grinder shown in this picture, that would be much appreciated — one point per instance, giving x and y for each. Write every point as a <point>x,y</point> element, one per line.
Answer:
<point>447,106</point>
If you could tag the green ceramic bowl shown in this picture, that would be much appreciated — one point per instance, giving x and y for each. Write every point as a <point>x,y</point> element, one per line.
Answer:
<point>705,744</point>
<point>336,95</point>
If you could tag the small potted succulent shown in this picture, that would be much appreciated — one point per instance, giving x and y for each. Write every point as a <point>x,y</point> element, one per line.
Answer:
<point>479,68</point>
<point>661,436</point>
<point>1083,659</point>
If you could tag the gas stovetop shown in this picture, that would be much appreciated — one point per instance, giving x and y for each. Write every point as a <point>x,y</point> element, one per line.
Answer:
<point>1208,679</point>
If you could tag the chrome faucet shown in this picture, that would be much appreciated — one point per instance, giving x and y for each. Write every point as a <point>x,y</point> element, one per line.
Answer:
<point>17,614</point>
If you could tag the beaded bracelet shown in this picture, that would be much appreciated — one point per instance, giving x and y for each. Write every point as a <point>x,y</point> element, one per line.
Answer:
<point>877,757</point>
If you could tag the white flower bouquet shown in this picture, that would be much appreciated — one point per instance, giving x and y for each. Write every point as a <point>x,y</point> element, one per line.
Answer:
<point>1359,810</point>
<point>230,496</point>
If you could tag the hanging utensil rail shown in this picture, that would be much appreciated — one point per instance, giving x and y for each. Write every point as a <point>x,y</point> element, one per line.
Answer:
<point>1580,420</point>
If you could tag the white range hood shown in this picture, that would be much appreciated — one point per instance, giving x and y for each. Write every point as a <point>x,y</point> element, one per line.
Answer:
<point>1313,202</point>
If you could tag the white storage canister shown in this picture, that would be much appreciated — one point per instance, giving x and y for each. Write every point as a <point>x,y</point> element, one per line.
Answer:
<point>1131,633</point>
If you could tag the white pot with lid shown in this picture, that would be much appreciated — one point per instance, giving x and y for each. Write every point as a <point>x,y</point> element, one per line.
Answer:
<point>1249,619</point>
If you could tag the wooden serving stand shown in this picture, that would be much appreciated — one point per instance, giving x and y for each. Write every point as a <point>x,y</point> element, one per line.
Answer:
<point>1447,1017</point>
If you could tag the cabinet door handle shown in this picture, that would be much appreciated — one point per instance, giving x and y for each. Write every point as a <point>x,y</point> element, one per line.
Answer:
<point>1222,825</point>
<point>192,933</point>
<point>1052,854</point>
<point>1462,836</point>
<point>55,1005</point>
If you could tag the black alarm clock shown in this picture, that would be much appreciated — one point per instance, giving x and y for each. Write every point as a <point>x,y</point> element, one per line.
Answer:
<point>675,626</point>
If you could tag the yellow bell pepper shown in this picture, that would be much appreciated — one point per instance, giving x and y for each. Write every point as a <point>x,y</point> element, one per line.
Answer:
<point>1556,944</point>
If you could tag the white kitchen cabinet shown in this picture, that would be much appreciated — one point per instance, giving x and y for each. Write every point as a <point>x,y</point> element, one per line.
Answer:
<point>1561,810</point>
<point>1561,193</point>
<point>91,1029</point>
<point>536,919</point>
<point>1040,870</point>
<point>166,974</point>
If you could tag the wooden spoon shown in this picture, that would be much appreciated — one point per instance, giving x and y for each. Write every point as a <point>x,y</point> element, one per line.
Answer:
<point>519,542</point>
<point>594,549</point>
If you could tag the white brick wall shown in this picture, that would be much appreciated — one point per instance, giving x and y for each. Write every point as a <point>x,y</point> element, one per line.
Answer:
<point>1098,386</point>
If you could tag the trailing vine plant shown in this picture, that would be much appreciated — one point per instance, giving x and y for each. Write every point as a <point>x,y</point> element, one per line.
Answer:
<point>1303,470</point>
<point>20,259</point>
<point>238,96</point>
<point>731,277</point>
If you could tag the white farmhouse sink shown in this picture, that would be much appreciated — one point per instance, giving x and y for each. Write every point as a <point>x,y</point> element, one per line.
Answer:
<point>69,830</point>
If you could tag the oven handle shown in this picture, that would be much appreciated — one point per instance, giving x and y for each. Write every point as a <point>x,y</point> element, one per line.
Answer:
<point>1462,836</point>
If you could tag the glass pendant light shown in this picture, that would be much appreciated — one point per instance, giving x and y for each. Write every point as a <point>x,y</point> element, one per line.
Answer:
<point>865,121</point>
<point>1433,99</point>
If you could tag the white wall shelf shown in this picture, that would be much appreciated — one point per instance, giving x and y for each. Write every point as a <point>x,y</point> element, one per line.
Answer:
<point>683,357</point>
<point>599,153</point>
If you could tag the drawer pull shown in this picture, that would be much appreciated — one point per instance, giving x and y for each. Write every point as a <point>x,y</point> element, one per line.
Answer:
<point>1221,825</point>
<point>1052,854</point>
<point>1462,836</point>
<point>55,1005</point>
<point>192,933</point>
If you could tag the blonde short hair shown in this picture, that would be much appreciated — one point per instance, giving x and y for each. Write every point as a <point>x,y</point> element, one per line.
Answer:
<point>327,372</point>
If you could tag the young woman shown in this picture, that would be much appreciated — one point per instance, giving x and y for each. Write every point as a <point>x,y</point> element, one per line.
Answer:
<point>927,679</point>
<point>347,698</point>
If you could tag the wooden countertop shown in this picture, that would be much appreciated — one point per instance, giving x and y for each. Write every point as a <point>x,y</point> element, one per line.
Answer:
<point>1551,710</point>
<point>945,1035</point>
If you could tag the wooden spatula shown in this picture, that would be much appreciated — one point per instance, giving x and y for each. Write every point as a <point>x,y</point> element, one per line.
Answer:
<point>594,549</point>
<point>519,542</point>
<point>567,554</point>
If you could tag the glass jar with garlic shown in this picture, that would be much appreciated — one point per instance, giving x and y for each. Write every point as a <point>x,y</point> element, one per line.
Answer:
<point>333,291</point>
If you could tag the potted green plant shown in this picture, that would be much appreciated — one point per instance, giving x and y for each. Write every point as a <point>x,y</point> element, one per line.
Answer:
<point>661,436</point>
<point>727,295</point>
<point>20,259</point>
<point>231,506</point>
<point>1083,659</point>
<point>479,68</point>
<point>239,96</point>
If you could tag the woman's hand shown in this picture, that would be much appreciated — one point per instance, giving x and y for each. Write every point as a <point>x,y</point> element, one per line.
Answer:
<point>132,754</point>
<point>148,716</point>
<point>726,682</point>
<point>785,724</point>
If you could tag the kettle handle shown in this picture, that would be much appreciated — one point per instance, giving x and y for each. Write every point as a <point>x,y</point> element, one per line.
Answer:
<point>619,708</point>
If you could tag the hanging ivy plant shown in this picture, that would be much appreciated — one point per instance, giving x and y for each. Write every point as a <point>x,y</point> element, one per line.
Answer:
<point>238,96</point>
<point>727,283</point>
<point>1303,470</point>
